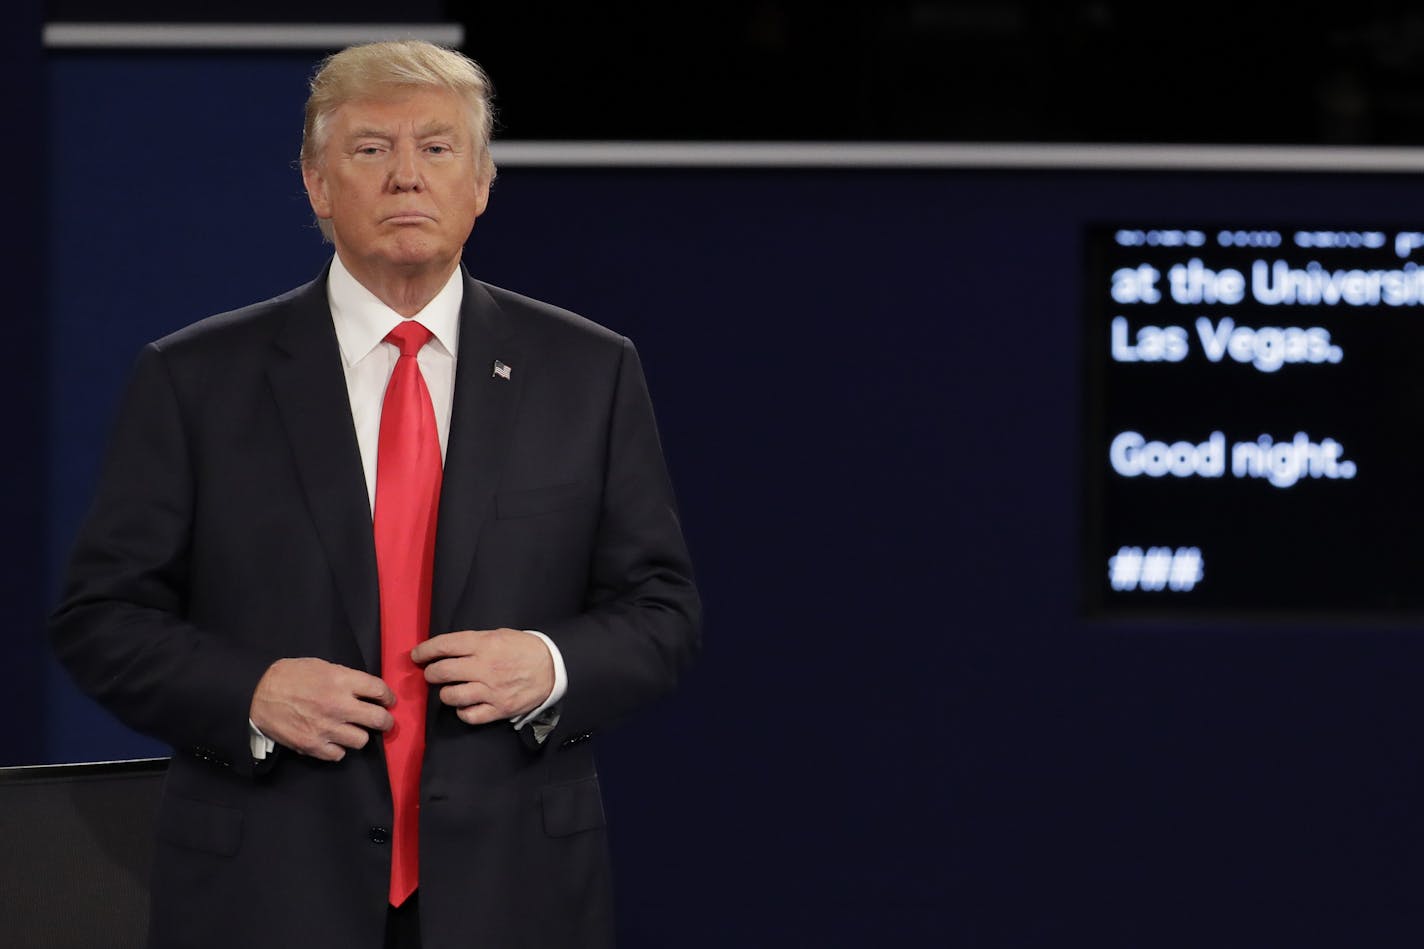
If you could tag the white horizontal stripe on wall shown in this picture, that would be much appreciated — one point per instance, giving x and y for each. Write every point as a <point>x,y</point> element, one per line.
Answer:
<point>1304,158</point>
<point>242,35</point>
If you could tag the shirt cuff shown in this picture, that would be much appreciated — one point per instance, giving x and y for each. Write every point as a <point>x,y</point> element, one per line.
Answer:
<point>546,716</point>
<point>261,745</point>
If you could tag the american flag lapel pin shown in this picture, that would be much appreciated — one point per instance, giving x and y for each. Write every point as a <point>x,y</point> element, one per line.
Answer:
<point>501,370</point>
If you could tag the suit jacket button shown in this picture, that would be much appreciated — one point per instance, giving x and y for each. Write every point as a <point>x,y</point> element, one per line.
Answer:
<point>379,835</point>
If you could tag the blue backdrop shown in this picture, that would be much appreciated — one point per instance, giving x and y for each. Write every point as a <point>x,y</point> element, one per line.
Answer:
<point>870,391</point>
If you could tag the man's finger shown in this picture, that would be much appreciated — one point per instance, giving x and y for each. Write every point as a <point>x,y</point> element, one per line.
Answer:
<point>478,714</point>
<point>349,736</point>
<point>329,752</point>
<point>321,750</point>
<point>465,693</point>
<point>373,688</point>
<point>374,717</point>
<point>459,643</point>
<point>454,669</point>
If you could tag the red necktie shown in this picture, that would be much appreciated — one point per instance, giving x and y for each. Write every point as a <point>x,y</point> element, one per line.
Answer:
<point>407,499</point>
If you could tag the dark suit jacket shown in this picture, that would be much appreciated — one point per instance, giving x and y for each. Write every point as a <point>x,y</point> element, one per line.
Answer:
<point>232,528</point>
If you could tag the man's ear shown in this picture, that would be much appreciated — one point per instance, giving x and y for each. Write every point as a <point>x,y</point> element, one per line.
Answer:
<point>316,191</point>
<point>483,186</point>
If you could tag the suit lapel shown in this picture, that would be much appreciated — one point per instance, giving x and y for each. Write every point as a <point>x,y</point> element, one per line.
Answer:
<point>310,390</point>
<point>481,430</point>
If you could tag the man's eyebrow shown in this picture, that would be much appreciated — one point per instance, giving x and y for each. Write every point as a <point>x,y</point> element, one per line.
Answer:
<point>425,131</point>
<point>368,133</point>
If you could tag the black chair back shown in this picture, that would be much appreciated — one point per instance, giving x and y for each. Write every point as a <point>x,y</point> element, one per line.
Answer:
<point>78,844</point>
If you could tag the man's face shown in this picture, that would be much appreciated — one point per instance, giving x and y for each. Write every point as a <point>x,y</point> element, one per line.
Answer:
<point>399,180</point>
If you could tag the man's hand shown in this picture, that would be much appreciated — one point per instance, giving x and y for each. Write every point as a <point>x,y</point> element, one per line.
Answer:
<point>488,674</point>
<point>319,708</point>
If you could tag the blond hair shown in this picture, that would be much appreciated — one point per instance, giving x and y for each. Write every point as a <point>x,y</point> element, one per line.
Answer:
<point>374,70</point>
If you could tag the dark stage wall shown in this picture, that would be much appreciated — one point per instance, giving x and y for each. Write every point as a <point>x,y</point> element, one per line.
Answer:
<point>23,489</point>
<point>871,391</point>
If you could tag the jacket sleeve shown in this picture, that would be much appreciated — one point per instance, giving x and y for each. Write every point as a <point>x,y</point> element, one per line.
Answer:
<point>120,628</point>
<point>642,625</point>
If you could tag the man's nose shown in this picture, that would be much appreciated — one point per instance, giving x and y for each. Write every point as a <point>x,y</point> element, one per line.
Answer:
<point>405,169</point>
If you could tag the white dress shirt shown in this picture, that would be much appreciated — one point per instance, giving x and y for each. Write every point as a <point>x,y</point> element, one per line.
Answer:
<point>362,322</point>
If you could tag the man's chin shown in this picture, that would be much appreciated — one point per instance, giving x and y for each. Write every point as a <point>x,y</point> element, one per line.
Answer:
<point>412,256</point>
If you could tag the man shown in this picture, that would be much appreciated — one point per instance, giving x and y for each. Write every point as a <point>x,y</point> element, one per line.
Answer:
<point>378,557</point>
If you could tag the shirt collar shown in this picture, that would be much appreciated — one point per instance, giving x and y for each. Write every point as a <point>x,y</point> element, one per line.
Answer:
<point>362,320</point>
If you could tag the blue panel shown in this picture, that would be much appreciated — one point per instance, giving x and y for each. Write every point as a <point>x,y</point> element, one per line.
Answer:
<point>22,482</point>
<point>174,195</point>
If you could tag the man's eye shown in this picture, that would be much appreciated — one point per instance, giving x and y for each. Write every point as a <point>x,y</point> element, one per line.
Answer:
<point>437,149</point>
<point>368,150</point>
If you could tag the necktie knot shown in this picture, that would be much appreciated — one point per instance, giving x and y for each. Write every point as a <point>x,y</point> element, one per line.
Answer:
<point>409,336</point>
